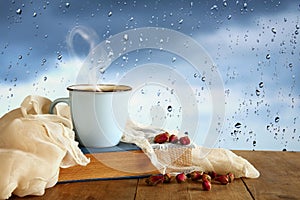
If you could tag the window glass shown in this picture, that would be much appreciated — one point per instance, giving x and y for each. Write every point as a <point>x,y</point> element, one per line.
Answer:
<point>253,45</point>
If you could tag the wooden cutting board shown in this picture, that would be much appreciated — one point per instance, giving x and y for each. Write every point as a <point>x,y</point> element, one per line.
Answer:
<point>110,165</point>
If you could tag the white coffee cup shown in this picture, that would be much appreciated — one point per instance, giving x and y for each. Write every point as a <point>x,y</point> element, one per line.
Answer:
<point>99,112</point>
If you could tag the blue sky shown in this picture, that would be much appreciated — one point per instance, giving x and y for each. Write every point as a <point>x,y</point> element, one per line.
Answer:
<point>249,42</point>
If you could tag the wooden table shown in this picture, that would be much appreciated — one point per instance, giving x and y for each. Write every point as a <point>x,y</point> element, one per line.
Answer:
<point>280,179</point>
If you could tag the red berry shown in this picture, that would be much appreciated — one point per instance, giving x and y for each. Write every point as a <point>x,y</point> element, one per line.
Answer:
<point>167,178</point>
<point>173,138</point>
<point>206,185</point>
<point>206,177</point>
<point>155,179</point>
<point>212,174</point>
<point>223,179</point>
<point>185,140</point>
<point>196,175</point>
<point>180,178</point>
<point>161,138</point>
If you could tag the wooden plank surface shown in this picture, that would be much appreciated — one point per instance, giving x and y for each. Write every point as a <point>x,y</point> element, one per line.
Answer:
<point>90,190</point>
<point>110,165</point>
<point>193,190</point>
<point>280,175</point>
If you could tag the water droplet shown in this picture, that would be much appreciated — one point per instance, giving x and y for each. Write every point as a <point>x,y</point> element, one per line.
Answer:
<point>109,14</point>
<point>45,78</point>
<point>290,65</point>
<point>59,57</point>
<point>19,11</point>
<point>268,56</point>
<point>195,75</point>
<point>261,84</point>
<point>297,26</point>
<point>257,92</point>
<point>254,143</point>
<point>229,17</point>
<point>125,37</point>
<point>214,7</point>
<point>173,59</point>
<point>273,30</point>
<point>169,108</point>
<point>277,119</point>
<point>20,57</point>
<point>224,3</point>
<point>67,5</point>
<point>203,78</point>
<point>34,14</point>
<point>44,61</point>
<point>238,125</point>
<point>180,21</point>
<point>245,5</point>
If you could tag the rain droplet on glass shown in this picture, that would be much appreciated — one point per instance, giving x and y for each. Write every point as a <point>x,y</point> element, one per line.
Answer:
<point>109,14</point>
<point>34,14</point>
<point>273,30</point>
<point>20,57</point>
<point>238,125</point>
<point>257,92</point>
<point>277,119</point>
<point>19,11</point>
<point>173,59</point>
<point>67,5</point>
<point>268,56</point>
<point>261,84</point>
<point>180,21</point>
<point>214,7</point>
<point>169,108</point>
<point>59,57</point>
<point>125,37</point>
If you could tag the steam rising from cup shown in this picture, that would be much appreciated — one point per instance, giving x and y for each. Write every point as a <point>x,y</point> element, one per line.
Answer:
<point>92,69</point>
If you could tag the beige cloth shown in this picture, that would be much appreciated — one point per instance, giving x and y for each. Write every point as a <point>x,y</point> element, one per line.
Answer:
<point>176,158</point>
<point>33,146</point>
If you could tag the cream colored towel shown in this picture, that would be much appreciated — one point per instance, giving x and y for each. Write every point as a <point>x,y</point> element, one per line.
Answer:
<point>33,146</point>
<point>176,158</point>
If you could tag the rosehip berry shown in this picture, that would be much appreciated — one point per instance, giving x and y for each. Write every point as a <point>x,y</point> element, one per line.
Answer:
<point>161,138</point>
<point>180,178</point>
<point>206,185</point>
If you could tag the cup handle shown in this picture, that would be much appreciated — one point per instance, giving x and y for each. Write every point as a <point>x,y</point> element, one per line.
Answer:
<point>56,101</point>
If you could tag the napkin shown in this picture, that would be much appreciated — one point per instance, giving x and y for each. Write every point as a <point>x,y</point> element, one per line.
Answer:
<point>177,158</point>
<point>33,147</point>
